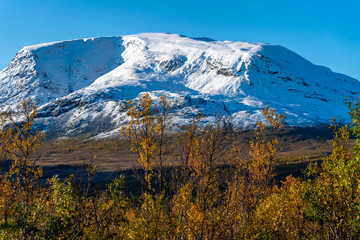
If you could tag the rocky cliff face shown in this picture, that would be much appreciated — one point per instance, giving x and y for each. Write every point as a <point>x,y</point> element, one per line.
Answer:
<point>82,86</point>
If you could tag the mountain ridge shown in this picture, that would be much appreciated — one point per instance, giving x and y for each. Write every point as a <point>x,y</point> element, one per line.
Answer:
<point>81,85</point>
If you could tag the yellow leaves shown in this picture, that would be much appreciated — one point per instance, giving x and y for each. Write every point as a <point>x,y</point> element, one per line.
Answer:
<point>146,133</point>
<point>19,139</point>
<point>201,206</point>
<point>274,119</point>
<point>152,220</point>
<point>195,161</point>
<point>182,200</point>
<point>283,212</point>
<point>252,180</point>
<point>189,215</point>
<point>264,151</point>
<point>141,133</point>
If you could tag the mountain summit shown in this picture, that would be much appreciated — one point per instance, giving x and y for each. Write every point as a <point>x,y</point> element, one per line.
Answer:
<point>82,86</point>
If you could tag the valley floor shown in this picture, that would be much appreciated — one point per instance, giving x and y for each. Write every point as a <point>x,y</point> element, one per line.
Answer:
<point>297,147</point>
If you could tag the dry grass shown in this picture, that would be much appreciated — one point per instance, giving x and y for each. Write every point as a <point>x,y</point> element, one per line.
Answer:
<point>297,147</point>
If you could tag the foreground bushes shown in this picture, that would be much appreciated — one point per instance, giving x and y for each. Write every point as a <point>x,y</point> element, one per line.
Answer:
<point>198,200</point>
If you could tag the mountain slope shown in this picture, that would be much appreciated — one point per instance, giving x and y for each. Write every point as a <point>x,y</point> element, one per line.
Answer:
<point>83,85</point>
<point>48,71</point>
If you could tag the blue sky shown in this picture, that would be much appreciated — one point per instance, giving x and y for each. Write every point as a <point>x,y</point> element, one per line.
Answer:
<point>324,32</point>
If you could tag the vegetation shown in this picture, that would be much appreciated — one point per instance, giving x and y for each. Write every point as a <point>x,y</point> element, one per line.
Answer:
<point>209,194</point>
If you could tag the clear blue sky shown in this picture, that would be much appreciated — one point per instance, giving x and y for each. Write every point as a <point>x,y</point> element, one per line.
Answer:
<point>325,32</point>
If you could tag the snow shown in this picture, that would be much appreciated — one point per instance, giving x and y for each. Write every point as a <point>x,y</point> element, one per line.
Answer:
<point>80,85</point>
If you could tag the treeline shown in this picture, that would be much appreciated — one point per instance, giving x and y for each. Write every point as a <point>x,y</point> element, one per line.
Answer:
<point>198,199</point>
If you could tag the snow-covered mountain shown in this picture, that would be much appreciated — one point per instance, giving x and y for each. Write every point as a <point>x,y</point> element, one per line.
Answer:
<point>83,85</point>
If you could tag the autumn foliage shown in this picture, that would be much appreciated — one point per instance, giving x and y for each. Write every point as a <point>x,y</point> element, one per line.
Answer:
<point>210,192</point>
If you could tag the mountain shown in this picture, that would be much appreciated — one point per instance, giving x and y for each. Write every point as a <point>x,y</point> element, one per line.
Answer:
<point>82,86</point>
